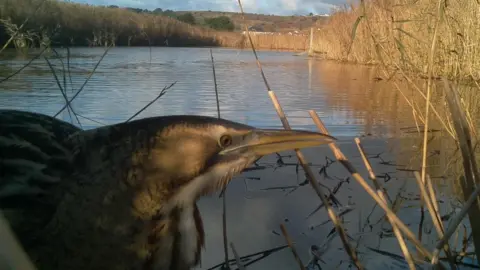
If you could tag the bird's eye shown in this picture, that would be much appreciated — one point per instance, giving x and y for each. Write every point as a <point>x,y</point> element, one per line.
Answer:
<point>225,140</point>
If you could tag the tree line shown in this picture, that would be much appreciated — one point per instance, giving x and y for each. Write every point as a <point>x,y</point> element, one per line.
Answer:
<point>56,23</point>
<point>221,23</point>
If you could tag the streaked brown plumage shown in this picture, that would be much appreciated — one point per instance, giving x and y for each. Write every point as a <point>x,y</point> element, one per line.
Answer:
<point>33,158</point>
<point>30,144</point>
<point>129,201</point>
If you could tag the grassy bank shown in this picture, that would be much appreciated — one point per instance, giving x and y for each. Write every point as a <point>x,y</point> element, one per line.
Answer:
<point>57,23</point>
<point>432,40</point>
<point>399,34</point>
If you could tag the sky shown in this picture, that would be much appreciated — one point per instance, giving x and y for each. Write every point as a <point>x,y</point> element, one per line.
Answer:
<point>277,7</point>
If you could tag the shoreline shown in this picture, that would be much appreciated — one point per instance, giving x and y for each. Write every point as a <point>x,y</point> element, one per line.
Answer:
<point>299,52</point>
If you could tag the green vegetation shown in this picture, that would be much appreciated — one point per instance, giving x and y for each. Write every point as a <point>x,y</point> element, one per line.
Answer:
<point>220,23</point>
<point>187,18</point>
<point>68,24</point>
<point>268,22</point>
<point>168,13</point>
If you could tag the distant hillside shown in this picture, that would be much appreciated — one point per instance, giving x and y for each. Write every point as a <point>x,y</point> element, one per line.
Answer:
<point>259,22</point>
<point>267,23</point>
<point>60,23</point>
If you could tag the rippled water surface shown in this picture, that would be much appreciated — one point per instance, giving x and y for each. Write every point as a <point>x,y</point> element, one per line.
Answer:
<point>349,99</point>
<point>127,79</point>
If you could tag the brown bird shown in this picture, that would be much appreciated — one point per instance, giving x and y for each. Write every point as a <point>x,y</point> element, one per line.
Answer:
<point>124,196</point>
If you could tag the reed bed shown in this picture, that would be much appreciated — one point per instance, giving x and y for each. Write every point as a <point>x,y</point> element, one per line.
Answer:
<point>278,42</point>
<point>59,23</point>
<point>399,32</point>
<point>459,125</point>
<point>369,33</point>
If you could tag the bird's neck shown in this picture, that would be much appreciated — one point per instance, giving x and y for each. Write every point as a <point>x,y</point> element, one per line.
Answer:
<point>179,232</point>
<point>174,227</point>
<point>162,201</point>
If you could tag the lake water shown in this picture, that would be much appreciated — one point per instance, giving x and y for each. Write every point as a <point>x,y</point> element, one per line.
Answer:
<point>349,100</point>
<point>127,79</point>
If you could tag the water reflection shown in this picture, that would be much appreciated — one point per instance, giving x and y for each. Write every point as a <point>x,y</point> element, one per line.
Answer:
<point>348,98</point>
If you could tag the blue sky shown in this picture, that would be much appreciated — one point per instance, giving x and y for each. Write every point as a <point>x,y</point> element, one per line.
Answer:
<point>278,7</point>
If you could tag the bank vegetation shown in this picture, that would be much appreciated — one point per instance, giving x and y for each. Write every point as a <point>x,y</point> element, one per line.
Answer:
<point>398,34</point>
<point>55,23</point>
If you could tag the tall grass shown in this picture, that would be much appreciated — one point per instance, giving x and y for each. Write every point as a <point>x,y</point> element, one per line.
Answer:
<point>399,34</point>
<point>69,24</point>
<point>431,39</point>
<point>404,37</point>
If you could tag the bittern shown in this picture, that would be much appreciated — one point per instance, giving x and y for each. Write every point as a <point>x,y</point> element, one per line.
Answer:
<point>126,196</point>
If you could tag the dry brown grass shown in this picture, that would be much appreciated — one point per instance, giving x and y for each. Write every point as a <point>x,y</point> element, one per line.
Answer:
<point>383,32</point>
<point>278,42</point>
<point>401,31</point>
<point>267,22</point>
<point>431,39</point>
<point>70,24</point>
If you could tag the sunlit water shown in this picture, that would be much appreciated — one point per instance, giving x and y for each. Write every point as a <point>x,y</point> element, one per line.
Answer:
<point>347,98</point>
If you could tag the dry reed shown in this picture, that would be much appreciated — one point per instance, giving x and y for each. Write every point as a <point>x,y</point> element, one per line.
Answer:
<point>435,215</point>
<point>381,193</point>
<point>237,258</point>
<point>404,29</point>
<point>301,158</point>
<point>224,191</point>
<point>427,107</point>
<point>381,202</point>
<point>471,173</point>
<point>424,38</point>
<point>292,247</point>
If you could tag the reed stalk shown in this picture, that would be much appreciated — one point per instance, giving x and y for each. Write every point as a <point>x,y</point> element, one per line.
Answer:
<point>84,83</point>
<point>161,94</point>
<point>292,247</point>
<point>427,107</point>
<point>427,63</point>
<point>469,181</point>
<point>308,171</point>
<point>351,169</point>
<point>11,251</point>
<point>16,72</point>
<point>224,192</point>
<point>427,199</point>
<point>381,193</point>
<point>19,29</point>
<point>237,258</point>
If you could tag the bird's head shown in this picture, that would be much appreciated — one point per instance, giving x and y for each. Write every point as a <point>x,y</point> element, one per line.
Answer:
<point>187,156</point>
<point>203,154</point>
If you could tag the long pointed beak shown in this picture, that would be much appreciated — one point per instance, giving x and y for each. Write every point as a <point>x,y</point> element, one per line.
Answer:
<point>267,141</point>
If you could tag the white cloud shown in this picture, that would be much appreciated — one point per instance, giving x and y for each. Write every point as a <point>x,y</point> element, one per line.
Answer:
<point>289,4</point>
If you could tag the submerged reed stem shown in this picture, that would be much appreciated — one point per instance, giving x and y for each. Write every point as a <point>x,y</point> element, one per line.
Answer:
<point>381,194</point>
<point>237,258</point>
<point>292,247</point>
<point>349,166</point>
<point>224,192</point>
<point>308,171</point>
<point>468,182</point>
